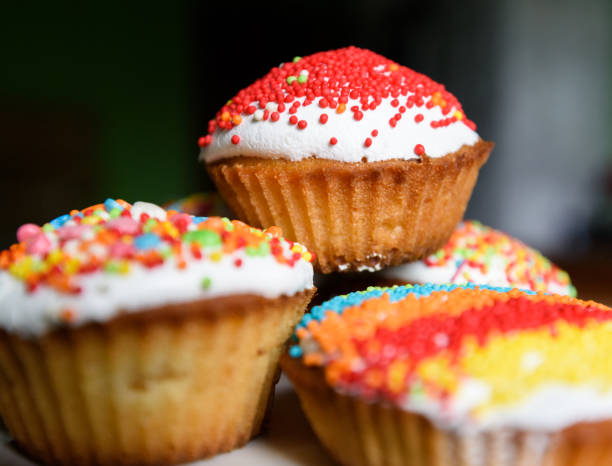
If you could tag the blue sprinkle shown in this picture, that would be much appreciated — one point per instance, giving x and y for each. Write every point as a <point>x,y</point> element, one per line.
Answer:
<point>147,241</point>
<point>111,204</point>
<point>197,220</point>
<point>396,293</point>
<point>295,351</point>
<point>59,221</point>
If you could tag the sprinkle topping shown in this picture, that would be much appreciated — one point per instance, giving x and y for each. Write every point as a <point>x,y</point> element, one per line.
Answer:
<point>478,254</point>
<point>352,79</point>
<point>401,344</point>
<point>113,236</point>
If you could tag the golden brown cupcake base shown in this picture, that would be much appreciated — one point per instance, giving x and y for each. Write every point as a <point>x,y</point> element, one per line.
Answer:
<point>362,434</point>
<point>355,216</point>
<point>168,385</point>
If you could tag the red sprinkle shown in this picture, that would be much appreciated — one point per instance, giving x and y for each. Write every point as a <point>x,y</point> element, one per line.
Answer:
<point>419,117</point>
<point>302,124</point>
<point>374,132</point>
<point>293,119</point>
<point>333,141</point>
<point>368,142</point>
<point>419,149</point>
<point>235,139</point>
<point>334,77</point>
<point>323,118</point>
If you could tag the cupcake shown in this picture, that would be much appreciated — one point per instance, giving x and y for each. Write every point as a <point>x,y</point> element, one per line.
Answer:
<point>478,254</point>
<point>134,335</point>
<point>366,162</point>
<point>200,205</point>
<point>474,254</point>
<point>455,375</point>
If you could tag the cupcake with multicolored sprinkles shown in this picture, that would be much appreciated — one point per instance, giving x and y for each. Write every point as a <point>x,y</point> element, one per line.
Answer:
<point>201,205</point>
<point>457,375</point>
<point>134,335</point>
<point>479,254</point>
<point>365,161</point>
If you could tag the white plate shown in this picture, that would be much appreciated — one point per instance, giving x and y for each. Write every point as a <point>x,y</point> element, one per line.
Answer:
<point>289,441</point>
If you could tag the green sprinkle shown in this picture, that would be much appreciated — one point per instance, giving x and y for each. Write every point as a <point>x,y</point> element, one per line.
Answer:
<point>148,226</point>
<point>47,227</point>
<point>38,266</point>
<point>204,238</point>
<point>229,226</point>
<point>302,78</point>
<point>112,267</point>
<point>262,250</point>
<point>114,213</point>
<point>99,212</point>
<point>165,253</point>
<point>229,102</point>
<point>290,79</point>
<point>296,59</point>
<point>206,283</point>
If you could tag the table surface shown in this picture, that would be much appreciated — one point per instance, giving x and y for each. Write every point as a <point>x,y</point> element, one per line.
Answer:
<point>289,441</point>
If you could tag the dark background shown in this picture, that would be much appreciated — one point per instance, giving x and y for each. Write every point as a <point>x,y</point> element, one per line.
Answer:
<point>108,100</point>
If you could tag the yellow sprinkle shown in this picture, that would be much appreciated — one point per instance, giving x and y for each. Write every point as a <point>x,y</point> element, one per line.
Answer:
<point>91,220</point>
<point>216,256</point>
<point>393,67</point>
<point>297,248</point>
<point>72,265</point>
<point>170,229</point>
<point>54,257</point>
<point>458,115</point>
<point>396,375</point>
<point>307,256</point>
<point>124,268</point>
<point>20,269</point>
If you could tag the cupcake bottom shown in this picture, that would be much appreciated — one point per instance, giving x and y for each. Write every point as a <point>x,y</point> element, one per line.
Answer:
<point>355,216</point>
<point>163,386</point>
<point>357,433</point>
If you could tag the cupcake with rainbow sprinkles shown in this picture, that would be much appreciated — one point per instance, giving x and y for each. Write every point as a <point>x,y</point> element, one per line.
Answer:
<point>457,375</point>
<point>134,335</point>
<point>476,253</point>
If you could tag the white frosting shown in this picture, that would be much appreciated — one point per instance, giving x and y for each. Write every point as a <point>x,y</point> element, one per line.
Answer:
<point>549,408</point>
<point>281,139</point>
<point>420,272</point>
<point>103,294</point>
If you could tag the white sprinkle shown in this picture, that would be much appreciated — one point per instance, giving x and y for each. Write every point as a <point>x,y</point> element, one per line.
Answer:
<point>531,360</point>
<point>441,340</point>
<point>258,115</point>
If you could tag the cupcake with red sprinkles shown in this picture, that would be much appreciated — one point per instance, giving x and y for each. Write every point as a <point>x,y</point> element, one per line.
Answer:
<point>457,375</point>
<point>134,335</point>
<point>365,161</point>
<point>482,255</point>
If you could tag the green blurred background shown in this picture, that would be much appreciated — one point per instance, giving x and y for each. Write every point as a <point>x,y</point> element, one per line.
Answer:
<point>108,99</point>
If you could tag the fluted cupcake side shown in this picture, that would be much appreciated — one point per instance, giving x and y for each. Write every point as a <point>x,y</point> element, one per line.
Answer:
<point>163,386</point>
<point>355,216</point>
